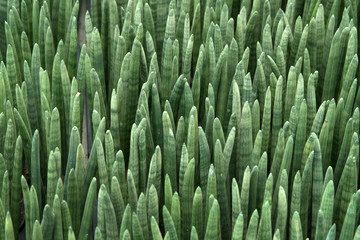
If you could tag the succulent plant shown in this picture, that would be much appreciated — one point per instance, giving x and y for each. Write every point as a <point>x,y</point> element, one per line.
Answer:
<point>179,119</point>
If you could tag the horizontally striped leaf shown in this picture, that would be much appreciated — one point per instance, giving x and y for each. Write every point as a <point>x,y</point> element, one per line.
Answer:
<point>327,204</point>
<point>9,229</point>
<point>253,226</point>
<point>345,190</point>
<point>126,221</point>
<point>329,176</point>
<point>265,126</point>
<point>48,221</point>
<point>327,133</point>
<point>282,213</point>
<point>253,185</point>
<point>175,213</point>
<point>72,197</point>
<point>16,187</point>
<point>335,61</point>
<point>52,176</point>
<point>153,203</point>
<point>278,159</point>
<point>262,175</point>
<point>290,92</point>
<point>66,217</point>
<point>110,220</point>
<point>169,224</point>
<point>98,90</point>
<point>136,228</point>
<point>306,190</point>
<point>296,196</point>
<point>58,230</point>
<point>296,231</point>
<point>71,160</point>
<point>245,140</point>
<point>300,138</point>
<point>34,208</point>
<point>211,189</point>
<point>142,215</point>
<point>187,198</point>
<point>5,191</point>
<point>244,196</point>
<point>348,227</point>
<point>317,184</point>
<point>156,234</point>
<point>277,115</point>
<point>132,194</point>
<point>344,151</point>
<point>26,197</point>
<point>264,231</point>
<point>357,233</point>
<point>35,168</point>
<point>212,224</point>
<point>21,106</point>
<point>134,155</point>
<point>169,155</point>
<point>9,146</point>
<point>251,33</point>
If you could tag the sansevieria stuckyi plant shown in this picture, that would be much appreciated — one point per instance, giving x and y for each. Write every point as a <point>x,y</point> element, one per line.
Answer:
<point>179,119</point>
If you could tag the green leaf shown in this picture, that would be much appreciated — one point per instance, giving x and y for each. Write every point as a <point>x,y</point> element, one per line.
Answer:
<point>212,223</point>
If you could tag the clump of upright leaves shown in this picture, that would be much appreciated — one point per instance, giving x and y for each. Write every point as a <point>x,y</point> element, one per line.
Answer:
<point>204,119</point>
